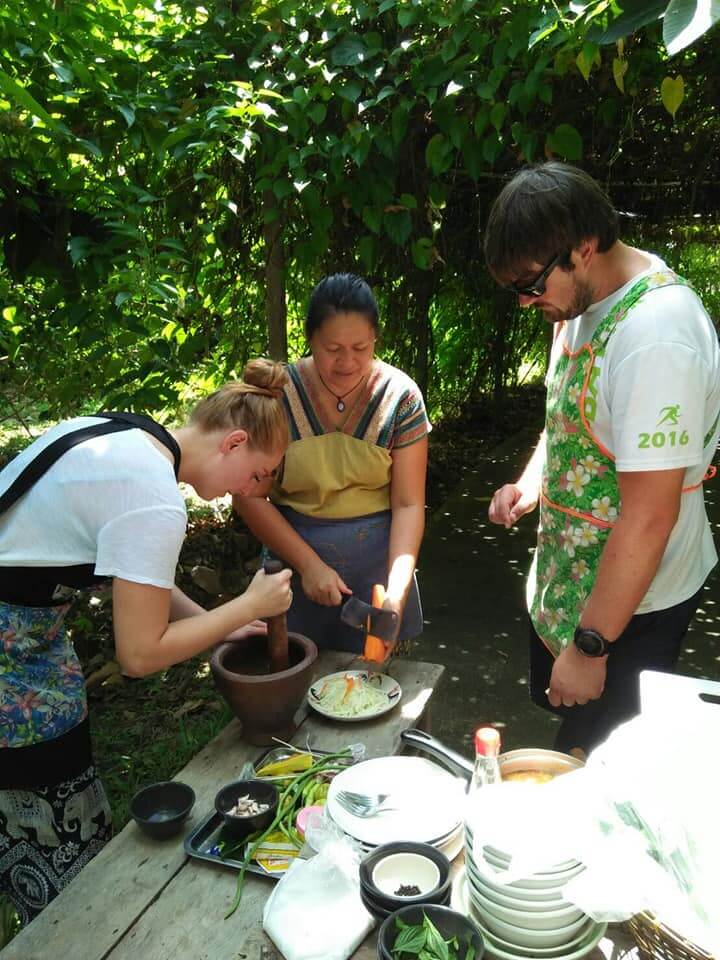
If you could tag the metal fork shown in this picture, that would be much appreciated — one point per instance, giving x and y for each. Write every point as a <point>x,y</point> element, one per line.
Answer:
<point>362,804</point>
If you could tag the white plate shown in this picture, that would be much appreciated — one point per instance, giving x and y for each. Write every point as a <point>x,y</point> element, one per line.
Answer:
<point>424,801</point>
<point>460,901</point>
<point>381,681</point>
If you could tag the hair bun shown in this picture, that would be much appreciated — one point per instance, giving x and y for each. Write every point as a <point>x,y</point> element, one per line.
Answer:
<point>267,376</point>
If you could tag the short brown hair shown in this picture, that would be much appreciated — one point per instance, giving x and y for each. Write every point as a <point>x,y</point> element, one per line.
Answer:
<point>545,210</point>
<point>254,404</point>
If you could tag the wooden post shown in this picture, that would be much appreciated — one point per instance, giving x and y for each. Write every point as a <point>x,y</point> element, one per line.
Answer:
<point>275,305</point>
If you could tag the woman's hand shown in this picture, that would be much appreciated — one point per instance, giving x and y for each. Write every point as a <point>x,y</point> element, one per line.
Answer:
<point>270,593</point>
<point>252,629</point>
<point>323,585</point>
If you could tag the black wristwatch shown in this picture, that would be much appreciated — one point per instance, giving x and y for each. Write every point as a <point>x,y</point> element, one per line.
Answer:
<point>591,643</point>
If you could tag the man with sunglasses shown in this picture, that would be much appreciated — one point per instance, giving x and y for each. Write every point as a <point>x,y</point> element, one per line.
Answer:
<point>633,404</point>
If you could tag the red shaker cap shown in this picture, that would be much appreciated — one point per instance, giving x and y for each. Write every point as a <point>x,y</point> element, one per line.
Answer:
<point>487,741</point>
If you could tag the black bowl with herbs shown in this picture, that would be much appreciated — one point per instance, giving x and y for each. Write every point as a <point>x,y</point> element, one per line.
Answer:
<point>395,875</point>
<point>247,806</point>
<point>435,932</point>
<point>161,809</point>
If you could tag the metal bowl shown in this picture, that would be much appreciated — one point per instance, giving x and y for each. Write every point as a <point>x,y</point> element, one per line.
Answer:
<point>539,760</point>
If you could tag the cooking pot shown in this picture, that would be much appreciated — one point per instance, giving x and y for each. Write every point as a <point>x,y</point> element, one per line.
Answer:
<point>514,761</point>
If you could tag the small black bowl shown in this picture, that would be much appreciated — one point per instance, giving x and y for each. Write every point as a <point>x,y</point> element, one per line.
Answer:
<point>380,913</point>
<point>261,792</point>
<point>161,809</point>
<point>449,923</point>
<point>392,902</point>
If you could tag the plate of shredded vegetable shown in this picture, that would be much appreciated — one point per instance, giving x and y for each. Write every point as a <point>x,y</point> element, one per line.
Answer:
<point>354,695</point>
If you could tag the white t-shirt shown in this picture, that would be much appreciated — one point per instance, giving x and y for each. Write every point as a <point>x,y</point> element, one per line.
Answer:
<point>112,501</point>
<point>657,396</point>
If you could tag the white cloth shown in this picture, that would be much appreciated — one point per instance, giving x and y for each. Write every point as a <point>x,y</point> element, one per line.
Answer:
<point>658,394</point>
<point>112,501</point>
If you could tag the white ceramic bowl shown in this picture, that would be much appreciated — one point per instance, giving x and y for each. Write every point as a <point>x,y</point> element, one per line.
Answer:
<point>530,938</point>
<point>511,902</point>
<point>536,894</point>
<point>403,869</point>
<point>587,938</point>
<point>528,920</point>
<point>555,869</point>
<point>495,856</point>
<point>537,881</point>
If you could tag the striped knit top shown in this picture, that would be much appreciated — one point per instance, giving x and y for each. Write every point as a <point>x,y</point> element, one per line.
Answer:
<point>344,472</point>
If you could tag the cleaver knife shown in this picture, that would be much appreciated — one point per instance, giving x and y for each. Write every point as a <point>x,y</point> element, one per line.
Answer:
<point>374,620</point>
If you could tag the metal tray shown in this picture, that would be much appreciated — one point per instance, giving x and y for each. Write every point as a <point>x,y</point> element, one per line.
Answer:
<point>204,838</point>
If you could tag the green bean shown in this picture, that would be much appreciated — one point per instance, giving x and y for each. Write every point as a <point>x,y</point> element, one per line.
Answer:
<point>288,799</point>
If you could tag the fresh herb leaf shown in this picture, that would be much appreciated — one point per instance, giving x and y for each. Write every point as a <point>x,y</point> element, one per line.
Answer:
<point>410,940</point>
<point>434,942</point>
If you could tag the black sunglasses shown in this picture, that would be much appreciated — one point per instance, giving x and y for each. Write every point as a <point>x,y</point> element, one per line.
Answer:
<point>536,287</point>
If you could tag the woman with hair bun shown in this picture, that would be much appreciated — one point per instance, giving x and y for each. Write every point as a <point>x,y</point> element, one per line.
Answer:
<point>96,498</point>
<point>347,509</point>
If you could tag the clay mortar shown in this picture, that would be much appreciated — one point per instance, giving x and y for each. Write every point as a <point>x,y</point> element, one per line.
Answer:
<point>264,702</point>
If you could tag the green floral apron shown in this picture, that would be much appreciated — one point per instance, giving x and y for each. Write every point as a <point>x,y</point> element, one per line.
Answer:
<point>580,497</point>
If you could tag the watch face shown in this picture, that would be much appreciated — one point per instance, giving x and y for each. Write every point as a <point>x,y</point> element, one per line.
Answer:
<point>590,643</point>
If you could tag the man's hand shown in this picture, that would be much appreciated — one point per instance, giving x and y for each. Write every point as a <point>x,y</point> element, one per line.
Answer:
<point>576,678</point>
<point>509,503</point>
<point>323,585</point>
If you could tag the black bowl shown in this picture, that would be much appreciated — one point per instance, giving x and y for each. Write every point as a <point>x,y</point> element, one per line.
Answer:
<point>261,792</point>
<point>392,902</point>
<point>449,923</point>
<point>160,809</point>
<point>380,913</point>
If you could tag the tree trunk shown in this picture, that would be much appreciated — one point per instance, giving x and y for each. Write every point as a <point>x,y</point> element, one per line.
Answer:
<point>275,304</point>
<point>421,298</point>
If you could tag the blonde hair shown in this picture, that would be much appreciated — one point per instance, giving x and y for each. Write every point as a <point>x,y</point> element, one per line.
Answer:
<point>253,404</point>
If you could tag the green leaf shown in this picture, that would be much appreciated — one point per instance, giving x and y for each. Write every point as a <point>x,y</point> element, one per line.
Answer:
<point>635,14</point>
<point>128,113</point>
<point>421,252</point>
<point>121,297</point>
<point>79,248</point>
<point>566,142</point>
<point>411,939</point>
<point>672,92</point>
<point>349,52</point>
<point>399,122</point>
<point>619,69</point>
<point>687,20</point>
<point>20,96</point>
<point>372,218</point>
<point>367,251</point>
<point>497,115</point>
<point>438,154</point>
<point>398,226</point>
<point>408,200</point>
<point>317,113</point>
<point>434,942</point>
<point>350,91</point>
<point>91,147</point>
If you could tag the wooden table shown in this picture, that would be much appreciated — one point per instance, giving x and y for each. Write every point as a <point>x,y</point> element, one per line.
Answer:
<point>146,900</point>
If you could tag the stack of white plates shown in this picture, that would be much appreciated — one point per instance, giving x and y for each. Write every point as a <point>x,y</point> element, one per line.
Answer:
<point>425,803</point>
<point>528,917</point>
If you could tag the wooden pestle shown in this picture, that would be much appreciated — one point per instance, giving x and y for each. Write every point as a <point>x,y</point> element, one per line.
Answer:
<point>277,629</point>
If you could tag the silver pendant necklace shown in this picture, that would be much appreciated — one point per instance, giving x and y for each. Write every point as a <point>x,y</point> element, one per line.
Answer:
<point>339,397</point>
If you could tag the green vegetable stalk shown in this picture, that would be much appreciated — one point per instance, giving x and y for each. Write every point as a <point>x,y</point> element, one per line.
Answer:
<point>299,789</point>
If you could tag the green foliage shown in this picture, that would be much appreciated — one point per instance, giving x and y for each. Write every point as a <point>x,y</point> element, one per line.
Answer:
<point>146,147</point>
